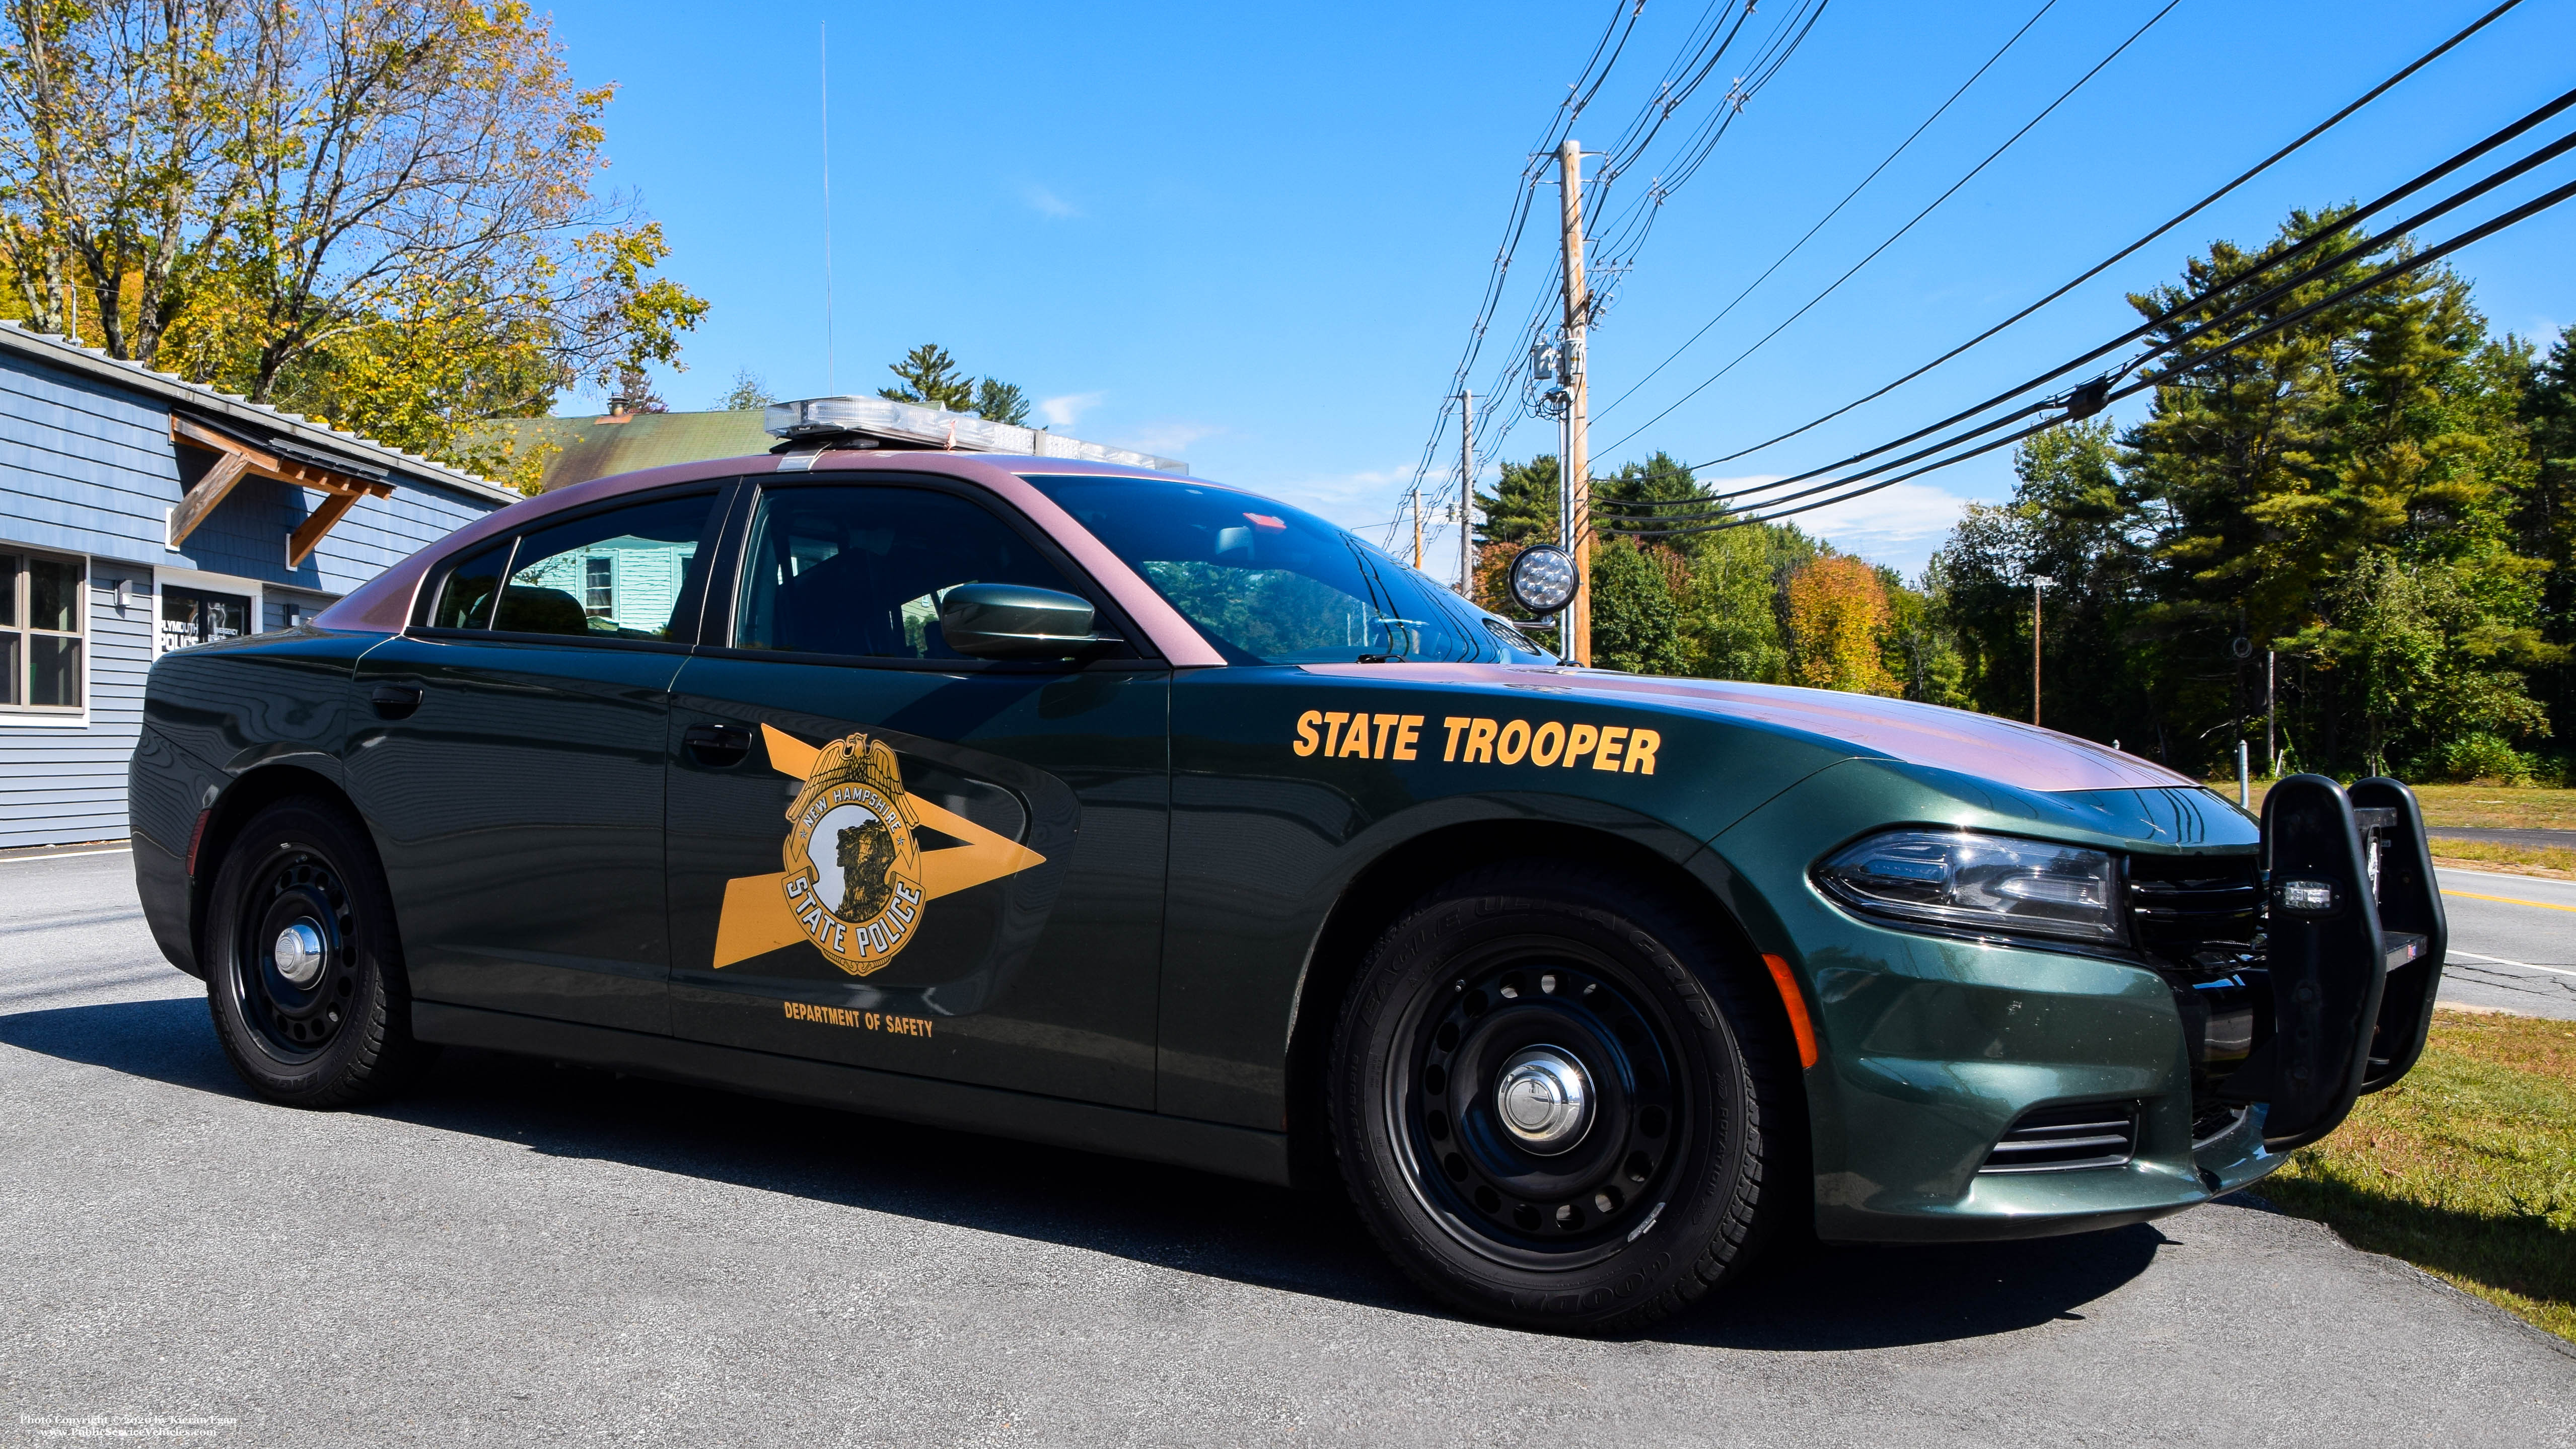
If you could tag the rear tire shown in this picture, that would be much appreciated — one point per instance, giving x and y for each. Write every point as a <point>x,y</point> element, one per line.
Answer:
<point>1549,1094</point>
<point>304,971</point>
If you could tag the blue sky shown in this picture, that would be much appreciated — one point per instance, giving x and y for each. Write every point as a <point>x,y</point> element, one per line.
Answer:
<point>1254,237</point>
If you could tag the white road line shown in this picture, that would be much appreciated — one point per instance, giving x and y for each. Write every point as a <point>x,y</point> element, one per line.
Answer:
<point>2517,965</point>
<point>66,855</point>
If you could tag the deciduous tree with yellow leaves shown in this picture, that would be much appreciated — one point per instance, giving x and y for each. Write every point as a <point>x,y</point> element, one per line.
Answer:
<point>382,212</point>
<point>1837,615</point>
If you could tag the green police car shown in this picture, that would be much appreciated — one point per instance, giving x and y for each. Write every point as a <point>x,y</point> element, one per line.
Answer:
<point>1100,807</point>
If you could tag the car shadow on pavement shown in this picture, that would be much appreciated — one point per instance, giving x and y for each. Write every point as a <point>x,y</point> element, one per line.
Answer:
<point>1807,1298</point>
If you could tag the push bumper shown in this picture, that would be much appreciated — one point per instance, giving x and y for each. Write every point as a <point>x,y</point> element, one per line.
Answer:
<point>2353,945</point>
<point>1988,1090</point>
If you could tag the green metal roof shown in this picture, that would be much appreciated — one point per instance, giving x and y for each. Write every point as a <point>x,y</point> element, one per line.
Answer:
<point>595,447</point>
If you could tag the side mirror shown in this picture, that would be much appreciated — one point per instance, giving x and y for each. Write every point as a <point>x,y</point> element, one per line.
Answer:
<point>1014,621</point>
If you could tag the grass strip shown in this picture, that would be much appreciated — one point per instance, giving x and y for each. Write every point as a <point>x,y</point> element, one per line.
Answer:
<point>2467,1168</point>
<point>2480,807</point>
<point>2534,858</point>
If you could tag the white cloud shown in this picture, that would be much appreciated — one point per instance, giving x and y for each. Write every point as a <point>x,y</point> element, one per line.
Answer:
<point>1362,500</point>
<point>1899,525</point>
<point>1065,411</point>
<point>1047,203</point>
<point>1170,440</point>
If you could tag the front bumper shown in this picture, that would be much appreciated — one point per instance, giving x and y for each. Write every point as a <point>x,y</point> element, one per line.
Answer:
<point>1939,1055</point>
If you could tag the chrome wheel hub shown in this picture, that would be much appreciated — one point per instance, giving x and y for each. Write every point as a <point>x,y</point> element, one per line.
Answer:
<point>1544,1099</point>
<point>298,954</point>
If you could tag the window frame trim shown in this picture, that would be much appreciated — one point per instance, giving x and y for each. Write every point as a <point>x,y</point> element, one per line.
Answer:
<point>21,585</point>
<point>203,582</point>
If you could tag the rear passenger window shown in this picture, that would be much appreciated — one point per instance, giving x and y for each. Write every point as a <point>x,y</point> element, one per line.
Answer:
<point>618,574</point>
<point>614,575</point>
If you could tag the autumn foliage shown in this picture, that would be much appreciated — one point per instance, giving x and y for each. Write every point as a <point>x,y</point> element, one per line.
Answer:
<point>382,213</point>
<point>1837,616</point>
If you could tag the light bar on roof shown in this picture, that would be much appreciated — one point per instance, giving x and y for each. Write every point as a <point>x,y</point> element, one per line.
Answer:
<point>878,417</point>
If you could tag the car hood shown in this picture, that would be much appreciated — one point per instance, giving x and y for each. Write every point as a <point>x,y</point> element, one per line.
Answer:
<point>2005,751</point>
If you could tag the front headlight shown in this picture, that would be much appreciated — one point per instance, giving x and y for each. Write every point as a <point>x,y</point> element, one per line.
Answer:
<point>1985,884</point>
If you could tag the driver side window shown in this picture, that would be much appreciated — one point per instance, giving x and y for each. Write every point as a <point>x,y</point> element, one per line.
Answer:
<point>861,570</point>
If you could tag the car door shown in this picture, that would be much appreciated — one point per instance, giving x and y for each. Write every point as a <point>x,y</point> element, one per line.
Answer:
<point>1264,811</point>
<point>886,854</point>
<point>507,752</point>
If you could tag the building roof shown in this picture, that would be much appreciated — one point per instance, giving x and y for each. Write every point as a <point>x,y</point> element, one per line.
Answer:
<point>233,412</point>
<point>596,447</point>
<point>599,447</point>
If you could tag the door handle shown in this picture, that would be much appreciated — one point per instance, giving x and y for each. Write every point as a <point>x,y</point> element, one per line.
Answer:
<point>717,746</point>
<point>395,701</point>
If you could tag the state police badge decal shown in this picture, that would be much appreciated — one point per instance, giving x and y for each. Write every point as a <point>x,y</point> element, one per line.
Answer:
<point>853,856</point>
<point>857,878</point>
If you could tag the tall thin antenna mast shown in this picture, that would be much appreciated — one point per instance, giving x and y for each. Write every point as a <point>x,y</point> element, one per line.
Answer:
<point>823,52</point>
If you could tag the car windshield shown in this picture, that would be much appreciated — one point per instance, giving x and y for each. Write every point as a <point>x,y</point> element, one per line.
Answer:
<point>1270,584</point>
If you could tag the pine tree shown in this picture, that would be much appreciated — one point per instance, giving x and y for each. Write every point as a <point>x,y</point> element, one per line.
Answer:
<point>929,376</point>
<point>749,391</point>
<point>1001,402</point>
<point>2547,515</point>
<point>2353,495</point>
<point>1522,507</point>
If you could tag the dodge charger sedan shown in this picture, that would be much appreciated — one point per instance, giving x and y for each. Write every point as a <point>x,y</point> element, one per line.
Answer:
<point>1092,806</point>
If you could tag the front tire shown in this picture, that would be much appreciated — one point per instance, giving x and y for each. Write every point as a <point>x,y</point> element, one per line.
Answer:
<point>1549,1097</point>
<point>305,979</point>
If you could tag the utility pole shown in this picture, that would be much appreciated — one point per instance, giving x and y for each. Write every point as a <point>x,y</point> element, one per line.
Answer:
<point>1417,528</point>
<point>2036,584</point>
<point>1574,465</point>
<point>1467,496</point>
<point>2271,740</point>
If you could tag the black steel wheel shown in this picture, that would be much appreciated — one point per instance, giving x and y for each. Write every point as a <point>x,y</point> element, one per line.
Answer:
<point>1540,1102</point>
<point>304,976</point>
<point>1548,1097</point>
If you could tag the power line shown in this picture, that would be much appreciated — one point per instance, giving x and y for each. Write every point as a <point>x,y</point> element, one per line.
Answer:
<point>2124,253</point>
<point>1627,235</point>
<point>1885,162</point>
<point>1623,19</point>
<point>2278,288</point>
<point>1705,45</point>
<point>1909,225</point>
<point>2399,268</point>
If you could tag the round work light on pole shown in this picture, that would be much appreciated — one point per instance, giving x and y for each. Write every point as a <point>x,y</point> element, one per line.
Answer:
<point>1542,578</point>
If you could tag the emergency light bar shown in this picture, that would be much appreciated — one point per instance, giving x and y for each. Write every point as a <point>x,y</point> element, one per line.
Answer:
<point>910,425</point>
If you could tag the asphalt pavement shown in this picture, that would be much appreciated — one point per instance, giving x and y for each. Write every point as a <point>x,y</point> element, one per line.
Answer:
<point>2513,942</point>
<point>518,1254</point>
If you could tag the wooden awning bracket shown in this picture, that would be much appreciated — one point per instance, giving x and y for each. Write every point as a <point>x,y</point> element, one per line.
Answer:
<point>236,460</point>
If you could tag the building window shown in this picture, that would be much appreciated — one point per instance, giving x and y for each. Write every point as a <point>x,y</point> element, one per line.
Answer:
<point>599,592</point>
<point>42,624</point>
<point>193,616</point>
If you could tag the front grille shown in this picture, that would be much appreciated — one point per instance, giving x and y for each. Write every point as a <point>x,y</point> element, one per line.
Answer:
<point>2199,912</point>
<point>2199,918</point>
<point>2065,1139</point>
